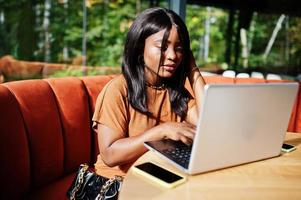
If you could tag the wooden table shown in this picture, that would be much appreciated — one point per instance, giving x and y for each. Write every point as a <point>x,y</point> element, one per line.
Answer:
<point>275,178</point>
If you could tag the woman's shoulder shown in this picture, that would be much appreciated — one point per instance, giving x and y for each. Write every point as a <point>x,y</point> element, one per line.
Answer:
<point>117,85</point>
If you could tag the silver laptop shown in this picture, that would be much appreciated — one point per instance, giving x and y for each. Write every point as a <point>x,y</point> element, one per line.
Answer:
<point>238,123</point>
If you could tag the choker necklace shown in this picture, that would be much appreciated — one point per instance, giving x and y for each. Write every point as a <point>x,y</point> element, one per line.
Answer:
<point>159,87</point>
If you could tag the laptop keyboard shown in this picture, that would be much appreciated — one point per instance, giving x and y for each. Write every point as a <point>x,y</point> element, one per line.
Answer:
<point>180,154</point>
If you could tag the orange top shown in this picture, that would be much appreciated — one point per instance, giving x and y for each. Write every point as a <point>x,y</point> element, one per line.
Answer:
<point>114,111</point>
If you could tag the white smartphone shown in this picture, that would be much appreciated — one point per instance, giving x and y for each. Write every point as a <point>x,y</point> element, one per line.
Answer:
<point>159,175</point>
<point>287,148</point>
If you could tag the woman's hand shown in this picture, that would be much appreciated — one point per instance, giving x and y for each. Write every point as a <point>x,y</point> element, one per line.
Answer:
<point>115,149</point>
<point>175,131</point>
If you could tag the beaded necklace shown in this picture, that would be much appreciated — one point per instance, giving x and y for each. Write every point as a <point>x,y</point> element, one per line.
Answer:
<point>159,87</point>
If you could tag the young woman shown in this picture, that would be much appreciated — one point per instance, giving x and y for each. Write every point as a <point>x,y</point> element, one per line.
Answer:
<point>149,101</point>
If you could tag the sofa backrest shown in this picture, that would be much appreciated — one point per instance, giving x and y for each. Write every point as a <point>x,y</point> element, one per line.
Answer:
<point>46,130</point>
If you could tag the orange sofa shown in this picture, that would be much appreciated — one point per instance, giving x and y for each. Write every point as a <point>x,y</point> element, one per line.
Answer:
<point>46,134</point>
<point>45,128</point>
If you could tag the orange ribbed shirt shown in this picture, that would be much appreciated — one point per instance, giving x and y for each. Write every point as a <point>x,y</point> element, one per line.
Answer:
<point>114,111</point>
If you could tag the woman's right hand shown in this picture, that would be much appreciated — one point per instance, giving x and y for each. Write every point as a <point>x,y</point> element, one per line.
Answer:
<point>175,131</point>
<point>116,149</point>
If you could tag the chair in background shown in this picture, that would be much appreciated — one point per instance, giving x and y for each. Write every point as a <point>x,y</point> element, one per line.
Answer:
<point>242,75</point>
<point>229,73</point>
<point>208,74</point>
<point>273,77</point>
<point>257,75</point>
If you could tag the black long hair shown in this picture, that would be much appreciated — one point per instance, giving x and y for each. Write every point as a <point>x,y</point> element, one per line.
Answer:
<point>147,23</point>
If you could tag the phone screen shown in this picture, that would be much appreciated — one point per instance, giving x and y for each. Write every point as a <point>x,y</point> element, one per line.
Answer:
<point>287,146</point>
<point>159,172</point>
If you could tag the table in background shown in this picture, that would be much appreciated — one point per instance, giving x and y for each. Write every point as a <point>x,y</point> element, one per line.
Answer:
<point>275,178</point>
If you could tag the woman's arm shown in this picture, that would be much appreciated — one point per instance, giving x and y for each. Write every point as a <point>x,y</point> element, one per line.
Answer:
<point>197,83</point>
<point>115,149</point>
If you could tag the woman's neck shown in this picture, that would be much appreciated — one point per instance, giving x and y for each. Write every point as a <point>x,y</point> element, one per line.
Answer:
<point>152,77</point>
